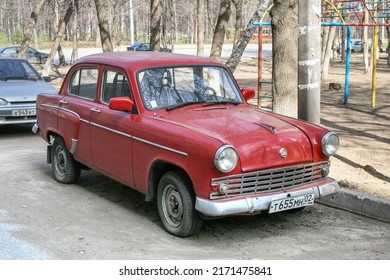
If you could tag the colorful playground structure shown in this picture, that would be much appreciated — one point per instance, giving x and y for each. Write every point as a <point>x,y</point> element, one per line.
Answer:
<point>343,13</point>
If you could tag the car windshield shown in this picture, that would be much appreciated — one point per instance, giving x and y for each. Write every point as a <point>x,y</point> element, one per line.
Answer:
<point>14,69</point>
<point>168,88</point>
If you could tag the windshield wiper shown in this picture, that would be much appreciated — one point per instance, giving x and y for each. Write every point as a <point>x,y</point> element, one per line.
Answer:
<point>214,102</point>
<point>183,104</point>
<point>16,78</point>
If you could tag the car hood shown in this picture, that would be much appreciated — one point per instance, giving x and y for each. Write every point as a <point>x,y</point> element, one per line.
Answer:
<point>258,137</point>
<point>16,90</point>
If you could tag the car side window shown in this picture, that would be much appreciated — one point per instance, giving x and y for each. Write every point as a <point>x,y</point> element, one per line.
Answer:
<point>115,84</point>
<point>84,83</point>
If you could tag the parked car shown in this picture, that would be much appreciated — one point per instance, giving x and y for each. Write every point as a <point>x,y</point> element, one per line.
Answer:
<point>20,84</point>
<point>32,56</point>
<point>145,47</point>
<point>178,129</point>
<point>356,46</point>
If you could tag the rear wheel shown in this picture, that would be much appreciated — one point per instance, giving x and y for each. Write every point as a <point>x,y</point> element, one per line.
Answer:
<point>176,205</point>
<point>65,169</point>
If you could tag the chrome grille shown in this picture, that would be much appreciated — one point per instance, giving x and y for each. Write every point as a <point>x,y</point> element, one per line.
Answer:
<point>270,180</point>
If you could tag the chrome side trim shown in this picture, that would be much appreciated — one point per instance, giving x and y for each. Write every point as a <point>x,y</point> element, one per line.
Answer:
<point>116,131</point>
<point>256,204</point>
<point>160,146</point>
<point>111,130</point>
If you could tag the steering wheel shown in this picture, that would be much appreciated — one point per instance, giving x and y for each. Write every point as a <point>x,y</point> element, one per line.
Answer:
<point>207,96</point>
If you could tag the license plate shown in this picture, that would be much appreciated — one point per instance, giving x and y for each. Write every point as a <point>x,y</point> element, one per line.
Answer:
<point>23,112</point>
<point>291,203</point>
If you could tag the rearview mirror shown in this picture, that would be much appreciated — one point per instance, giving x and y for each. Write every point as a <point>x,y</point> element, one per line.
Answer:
<point>121,104</point>
<point>248,93</point>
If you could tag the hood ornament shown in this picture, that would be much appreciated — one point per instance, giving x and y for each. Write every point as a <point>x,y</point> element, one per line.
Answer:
<point>283,153</point>
<point>268,127</point>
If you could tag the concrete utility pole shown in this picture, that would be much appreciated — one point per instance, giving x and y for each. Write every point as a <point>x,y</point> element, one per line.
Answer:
<point>309,60</point>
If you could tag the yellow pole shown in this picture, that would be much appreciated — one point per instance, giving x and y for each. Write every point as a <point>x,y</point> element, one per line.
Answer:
<point>374,52</point>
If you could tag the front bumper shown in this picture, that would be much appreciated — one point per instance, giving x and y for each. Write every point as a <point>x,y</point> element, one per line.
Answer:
<point>27,114</point>
<point>255,204</point>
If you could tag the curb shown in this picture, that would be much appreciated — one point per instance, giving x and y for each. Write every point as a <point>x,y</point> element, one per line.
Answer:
<point>359,203</point>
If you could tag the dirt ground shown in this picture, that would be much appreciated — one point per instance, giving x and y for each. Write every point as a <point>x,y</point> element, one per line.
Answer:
<point>363,160</point>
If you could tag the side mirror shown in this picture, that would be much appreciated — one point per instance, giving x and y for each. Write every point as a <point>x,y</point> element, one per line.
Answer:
<point>121,104</point>
<point>47,79</point>
<point>248,93</point>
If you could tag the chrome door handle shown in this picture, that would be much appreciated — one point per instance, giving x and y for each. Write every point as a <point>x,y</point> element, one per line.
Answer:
<point>63,101</point>
<point>95,110</point>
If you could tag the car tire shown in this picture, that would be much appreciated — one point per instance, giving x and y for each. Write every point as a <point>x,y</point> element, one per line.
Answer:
<point>65,169</point>
<point>176,205</point>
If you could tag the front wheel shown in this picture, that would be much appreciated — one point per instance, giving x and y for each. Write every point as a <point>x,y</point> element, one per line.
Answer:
<point>65,169</point>
<point>176,205</point>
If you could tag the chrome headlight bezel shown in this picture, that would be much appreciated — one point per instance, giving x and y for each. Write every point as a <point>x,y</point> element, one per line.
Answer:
<point>226,158</point>
<point>330,144</point>
<point>3,102</point>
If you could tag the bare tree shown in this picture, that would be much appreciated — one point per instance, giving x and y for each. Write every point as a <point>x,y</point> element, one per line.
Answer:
<point>327,48</point>
<point>388,44</point>
<point>155,22</point>
<point>250,29</point>
<point>68,7</point>
<point>238,25</point>
<point>200,27</point>
<point>74,31</point>
<point>104,29</point>
<point>31,25</point>
<point>220,30</point>
<point>284,15</point>
<point>367,68</point>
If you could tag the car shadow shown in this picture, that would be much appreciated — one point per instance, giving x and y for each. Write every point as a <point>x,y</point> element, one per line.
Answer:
<point>12,130</point>
<point>237,227</point>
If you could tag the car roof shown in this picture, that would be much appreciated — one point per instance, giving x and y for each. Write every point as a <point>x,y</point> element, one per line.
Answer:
<point>135,61</point>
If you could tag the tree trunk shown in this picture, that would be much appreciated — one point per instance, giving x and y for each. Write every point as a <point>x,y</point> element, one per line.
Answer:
<point>155,22</point>
<point>366,63</point>
<point>220,30</point>
<point>388,44</point>
<point>104,29</point>
<point>238,25</point>
<point>327,52</point>
<point>200,27</point>
<point>284,15</point>
<point>56,43</point>
<point>250,29</point>
<point>75,55</point>
<point>30,27</point>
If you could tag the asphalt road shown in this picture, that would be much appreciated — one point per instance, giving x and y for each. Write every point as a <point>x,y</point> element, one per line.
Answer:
<point>99,219</point>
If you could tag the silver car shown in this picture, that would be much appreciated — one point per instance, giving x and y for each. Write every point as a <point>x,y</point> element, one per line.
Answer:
<point>20,84</point>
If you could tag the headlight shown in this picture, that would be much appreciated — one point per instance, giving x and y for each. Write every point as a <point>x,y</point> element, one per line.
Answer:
<point>226,158</point>
<point>3,102</point>
<point>330,144</point>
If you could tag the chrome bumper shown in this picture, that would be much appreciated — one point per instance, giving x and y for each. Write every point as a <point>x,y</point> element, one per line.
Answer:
<point>256,204</point>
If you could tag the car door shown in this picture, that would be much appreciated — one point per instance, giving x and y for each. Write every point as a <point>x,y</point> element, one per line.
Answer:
<point>74,120</point>
<point>111,130</point>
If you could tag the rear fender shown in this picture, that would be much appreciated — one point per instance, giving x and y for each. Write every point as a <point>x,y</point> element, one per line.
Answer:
<point>69,127</point>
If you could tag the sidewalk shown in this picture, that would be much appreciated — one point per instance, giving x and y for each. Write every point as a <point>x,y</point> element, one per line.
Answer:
<point>359,203</point>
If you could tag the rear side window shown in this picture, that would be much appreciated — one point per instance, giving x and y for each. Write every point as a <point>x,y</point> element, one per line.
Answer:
<point>83,83</point>
<point>115,84</point>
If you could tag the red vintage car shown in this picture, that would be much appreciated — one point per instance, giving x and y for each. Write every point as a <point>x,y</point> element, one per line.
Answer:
<point>178,129</point>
